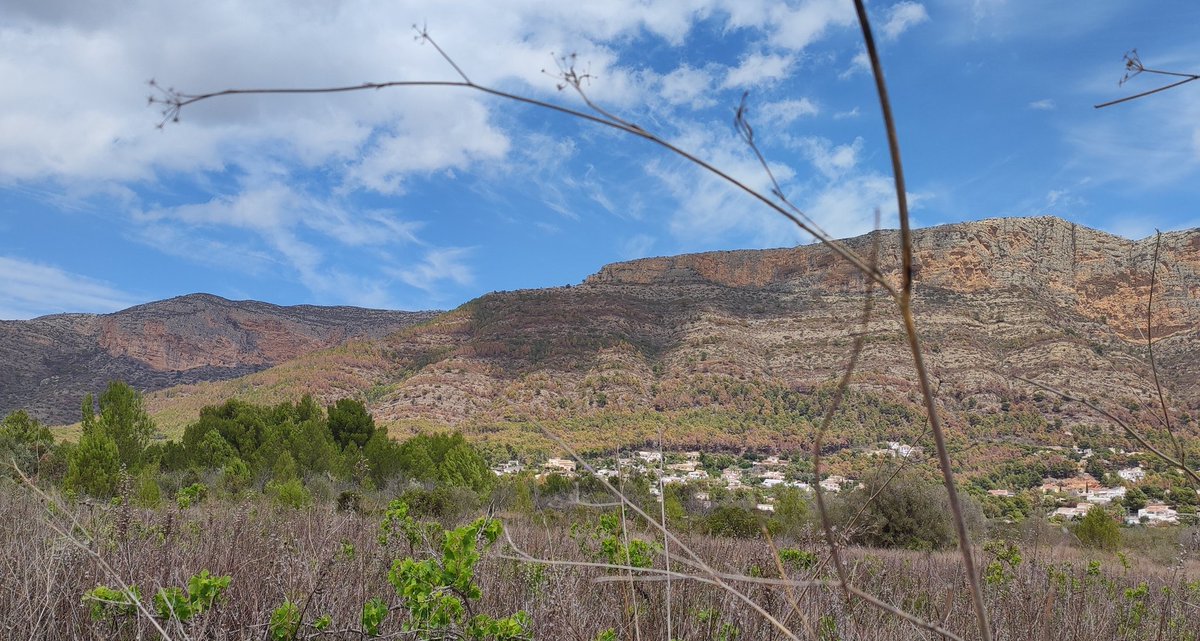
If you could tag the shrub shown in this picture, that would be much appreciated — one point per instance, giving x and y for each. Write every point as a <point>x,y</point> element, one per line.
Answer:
<point>735,521</point>
<point>909,512</point>
<point>1098,530</point>
<point>291,493</point>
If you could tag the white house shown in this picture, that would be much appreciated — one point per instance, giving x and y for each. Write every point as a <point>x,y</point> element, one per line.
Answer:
<point>1079,511</point>
<point>649,456</point>
<point>834,483</point>
<point>1132,474</point>
<point>508,467</point>
<point>1158,513</point>
<point>1104,495</point>
<point>560,465</point>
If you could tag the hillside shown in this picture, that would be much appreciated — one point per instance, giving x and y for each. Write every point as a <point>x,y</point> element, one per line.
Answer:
<point>733,349</point>
<point>48,364</point>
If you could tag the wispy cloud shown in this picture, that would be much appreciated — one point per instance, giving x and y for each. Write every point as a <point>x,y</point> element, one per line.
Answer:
<point>437,266</point>
<point>29,289</point>
<point>757,69</point>
<point>901,17</point>
<point>781,113</point>
<point>636,246</point>
<point>1045,104</point>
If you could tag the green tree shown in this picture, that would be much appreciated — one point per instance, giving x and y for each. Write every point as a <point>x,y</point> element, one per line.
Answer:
<point>123,419</point>
<point>1098,530</point>
<point>909,512</point>
<point>349,422</point>
<point>24,441</point>
<point>1134,499</point>
<point>462,466</point>
<point>95,465</point>
<point>791,512</point>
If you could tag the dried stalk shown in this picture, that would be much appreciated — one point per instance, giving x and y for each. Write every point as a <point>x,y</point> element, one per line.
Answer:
<point>910,329</point>
<point>1134,66</point>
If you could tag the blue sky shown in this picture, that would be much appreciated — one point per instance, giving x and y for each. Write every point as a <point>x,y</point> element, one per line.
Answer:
<point>425,198</point>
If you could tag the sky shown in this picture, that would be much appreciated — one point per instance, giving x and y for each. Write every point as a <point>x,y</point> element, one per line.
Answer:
<point>424,198</point>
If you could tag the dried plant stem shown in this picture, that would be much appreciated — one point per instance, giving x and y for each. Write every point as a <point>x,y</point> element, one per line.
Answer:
<point>910,329</point>
<point>695,559</point>
<point>1162,400</point>
<point>174,101</point>
<point>662,508</point>
<point>722,580</point>
<point>835,403</point>
<point>788,590</point>
<point>126,589</point>
<point>631,594</point>
<point>1134,434</point>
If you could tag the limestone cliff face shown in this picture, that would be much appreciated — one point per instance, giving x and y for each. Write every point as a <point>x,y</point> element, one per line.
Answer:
<point>47,364</point>
<point>1104,277</point>
<point>722,332</point>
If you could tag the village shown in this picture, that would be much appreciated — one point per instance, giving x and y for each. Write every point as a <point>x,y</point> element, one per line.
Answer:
<point>1060,499</point>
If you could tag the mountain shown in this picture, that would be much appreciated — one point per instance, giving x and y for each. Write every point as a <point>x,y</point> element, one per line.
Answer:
<point>48,364</point>
<point>739,349</point>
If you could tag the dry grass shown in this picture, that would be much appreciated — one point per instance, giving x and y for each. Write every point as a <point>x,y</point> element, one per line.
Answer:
<point>272,553</point>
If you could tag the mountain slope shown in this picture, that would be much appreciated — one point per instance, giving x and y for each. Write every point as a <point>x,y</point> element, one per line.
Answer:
<point>732,348</point>
<point>48,364</point>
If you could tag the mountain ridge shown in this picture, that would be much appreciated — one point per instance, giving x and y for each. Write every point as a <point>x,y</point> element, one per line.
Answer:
<point>49,363</point>
<point>724,340</point>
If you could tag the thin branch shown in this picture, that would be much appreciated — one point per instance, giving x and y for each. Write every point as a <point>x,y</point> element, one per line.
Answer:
<point>126,588</point>
<point>1162,401</point>
<point>662,508</point>
<point>835,404</point>
<point>696,560</point>
<point>914,341</point>
<point>1134,67</point>
<point>174,101</point>
<point>632,595</point>
<point>1134,434</point>
<point>721,580</point>
<point>788,590</point>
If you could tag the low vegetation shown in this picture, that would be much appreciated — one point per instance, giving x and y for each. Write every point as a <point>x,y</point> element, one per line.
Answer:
<point>299,521</point>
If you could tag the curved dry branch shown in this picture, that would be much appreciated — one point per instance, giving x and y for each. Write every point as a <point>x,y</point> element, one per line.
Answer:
<point>1134,67</point>
<point>1133,433</point>
<point>910,329</point>
<point>174,101</point>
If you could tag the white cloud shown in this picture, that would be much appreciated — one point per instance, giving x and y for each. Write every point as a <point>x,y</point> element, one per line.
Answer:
<point>708,209</point>
<point>798,26</point>
<point>438,265</point>
<point>782,113</point>
<point>833,161</point>
<point>901,17</point>
<point>1046,104</point>
<point>636,246</point>
<point>74,107</point>
<point>847,207</point>
<point>29,289</point>
<point>860,63</point>
<point>843,115</point>
<point>688,85</point>
<point>757,69</point>
<point>280,219</point>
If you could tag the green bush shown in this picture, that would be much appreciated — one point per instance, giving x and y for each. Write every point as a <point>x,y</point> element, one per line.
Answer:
<point>291,494</point>
<point>909,512</point>
<point>735,521</point>
<point>1098,530</point>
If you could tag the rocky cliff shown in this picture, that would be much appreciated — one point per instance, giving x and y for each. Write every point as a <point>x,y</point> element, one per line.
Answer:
<point>714,347</point>
<point>48,364</point>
